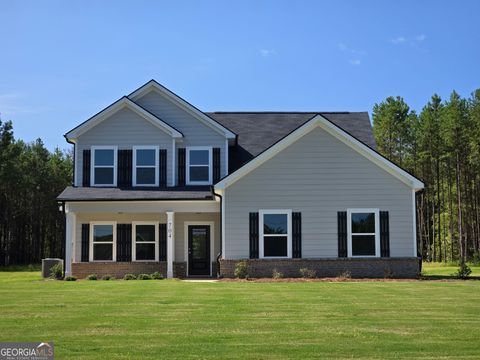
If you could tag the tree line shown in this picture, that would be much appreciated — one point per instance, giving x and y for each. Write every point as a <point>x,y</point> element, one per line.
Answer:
<point>441,146</point>
<point>31,225</point>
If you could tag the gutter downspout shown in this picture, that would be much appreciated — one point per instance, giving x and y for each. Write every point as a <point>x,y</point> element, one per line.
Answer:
<point>221,232</point>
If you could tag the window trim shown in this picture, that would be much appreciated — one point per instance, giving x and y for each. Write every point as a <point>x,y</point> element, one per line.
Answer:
<point>114,240</point>
<point>134,165</point>
<point>261,214</point>
<point>93,166</point>
<point>376,211</point>
<point>210,167</point>
<point>134,240</point>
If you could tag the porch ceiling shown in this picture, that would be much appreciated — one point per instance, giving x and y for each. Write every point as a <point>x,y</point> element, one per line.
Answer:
<point>135,194</point>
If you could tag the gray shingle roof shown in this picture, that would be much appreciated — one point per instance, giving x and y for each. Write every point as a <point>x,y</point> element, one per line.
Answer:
<point>99,194</point>
<point>258,131</point>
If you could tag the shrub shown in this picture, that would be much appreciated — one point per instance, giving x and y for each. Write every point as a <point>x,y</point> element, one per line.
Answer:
<point>277,274</point>
<point>387,273</point>
<point>92,277</point>
<point>56,272</point>
<point>70,278</point>
<point>157,276</point>
<point>344,275</point>
<point>108,277</point>
<point>241,270</point>
<point>476,258</point>
<point>308,273</point>
<point>463,271</point>
<point>144,277</point>
<point>129,277</point>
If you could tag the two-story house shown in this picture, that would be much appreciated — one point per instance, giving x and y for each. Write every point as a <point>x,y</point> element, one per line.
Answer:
<point>161,186</point>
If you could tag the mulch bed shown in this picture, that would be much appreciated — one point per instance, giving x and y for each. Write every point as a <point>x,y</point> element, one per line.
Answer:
<point>337,279</point>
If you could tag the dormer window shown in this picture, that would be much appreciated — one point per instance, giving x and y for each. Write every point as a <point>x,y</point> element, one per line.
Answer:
<point>199,166</point>
<point>104,167</point>
<point>145,166</point>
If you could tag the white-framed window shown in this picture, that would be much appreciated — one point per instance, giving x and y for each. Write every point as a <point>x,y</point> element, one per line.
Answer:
<point>145,166</point>
<point>103,171</point>
<point>363,227</point>
<point>144,241</point>
<point>275,233</point>
<point>103,239</point>
<point>199,165</point>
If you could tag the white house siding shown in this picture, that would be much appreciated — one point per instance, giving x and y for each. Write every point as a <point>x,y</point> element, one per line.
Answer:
<point>124,129</point>
<point>318,175</point>
<point>195,132</point>
<point>127,218</point>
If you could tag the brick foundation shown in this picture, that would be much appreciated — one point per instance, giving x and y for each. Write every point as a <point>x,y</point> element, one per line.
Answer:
<point>119,269</point>
<point>328,267</point>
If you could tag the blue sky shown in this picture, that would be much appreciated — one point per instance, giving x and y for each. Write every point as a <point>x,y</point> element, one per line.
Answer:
<point>63,61</point>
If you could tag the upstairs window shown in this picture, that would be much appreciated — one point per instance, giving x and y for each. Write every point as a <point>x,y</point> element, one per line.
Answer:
<point>199,166</point>
<point>275,233</point>
<point>145,166</point>
<point>104,167</point>
<point>363,232</point>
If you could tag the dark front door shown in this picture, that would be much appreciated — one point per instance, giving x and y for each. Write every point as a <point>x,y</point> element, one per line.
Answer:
<point>199,250</point>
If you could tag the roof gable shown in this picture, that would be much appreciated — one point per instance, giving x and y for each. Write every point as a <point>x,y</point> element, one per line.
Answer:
<point>337,132</point>
<point>152,85</point>
<point>120,104</point>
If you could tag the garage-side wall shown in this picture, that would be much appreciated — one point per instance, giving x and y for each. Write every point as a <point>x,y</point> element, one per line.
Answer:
<point>318,176</point>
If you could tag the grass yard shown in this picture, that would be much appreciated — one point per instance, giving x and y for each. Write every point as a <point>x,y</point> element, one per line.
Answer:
<point>176,319</point>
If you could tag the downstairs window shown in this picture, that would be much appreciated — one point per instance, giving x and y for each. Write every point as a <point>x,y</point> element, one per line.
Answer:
<point>145,238</point>
<point>363,232</point>
<point>102,240</point>
<point>275,233</point>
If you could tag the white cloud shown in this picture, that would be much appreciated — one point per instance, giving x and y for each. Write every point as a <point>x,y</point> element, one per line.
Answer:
<point>398,40</point>
<point>421,37</point>
<point>404,40</point>
<point>267,52</point>
<point>354,53</point>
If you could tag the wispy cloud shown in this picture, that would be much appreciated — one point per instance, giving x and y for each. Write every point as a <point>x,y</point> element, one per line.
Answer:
<point>398,40</point>
<point>404,40</point>
<point>421,37</point>
<point>14,104</point>
<point>354,54</point>
<point>267,52</point>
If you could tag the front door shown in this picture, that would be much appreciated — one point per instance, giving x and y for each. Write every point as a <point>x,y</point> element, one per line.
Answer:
<point>198,250</point>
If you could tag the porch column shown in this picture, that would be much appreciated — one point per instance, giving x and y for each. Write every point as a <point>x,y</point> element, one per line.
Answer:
<point>70,241</point>
<point>170,242</point>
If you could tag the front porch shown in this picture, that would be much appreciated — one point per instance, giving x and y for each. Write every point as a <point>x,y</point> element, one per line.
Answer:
<point>178,239</point>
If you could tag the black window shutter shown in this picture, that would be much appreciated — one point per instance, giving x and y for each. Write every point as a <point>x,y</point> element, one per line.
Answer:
<point>162,246</point>
<point>85,242</point>
<point>124,242</point>
<point>162,167</point>
<point>124,171</point>
<point>86,168</point>
<point>297,235</point>
<point>216,165</point>
<point>253,235</point>
<point>181,166</point>
<point>342,234</point>
<point>384,234</point>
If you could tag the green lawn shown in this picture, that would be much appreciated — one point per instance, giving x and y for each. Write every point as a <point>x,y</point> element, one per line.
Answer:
<point>440,269</point>
<point>176,319</point>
